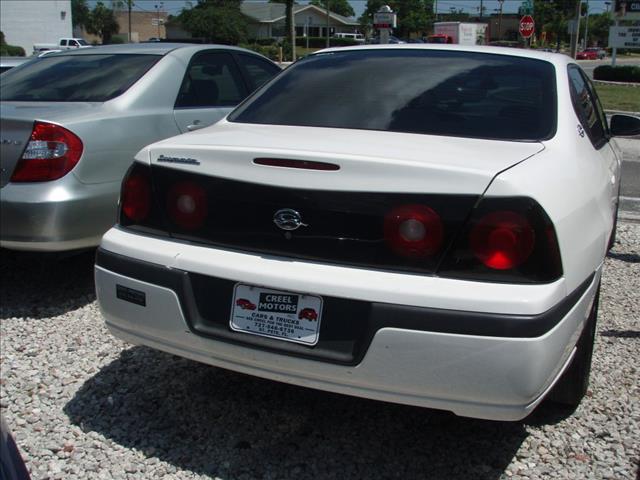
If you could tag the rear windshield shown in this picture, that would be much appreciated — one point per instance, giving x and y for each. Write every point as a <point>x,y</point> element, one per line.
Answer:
<point>75,78</point>
<point>435,92</point>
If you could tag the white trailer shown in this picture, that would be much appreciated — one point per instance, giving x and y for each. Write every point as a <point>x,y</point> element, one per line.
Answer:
<point>459,33</point>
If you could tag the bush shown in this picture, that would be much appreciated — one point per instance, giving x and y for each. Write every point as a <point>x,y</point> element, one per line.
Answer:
<point>9,50</point>
<point>625,73</point>
<point>117,40</point>
<point>263,41</point>
<point>321,42</point>
<point>269,51</point>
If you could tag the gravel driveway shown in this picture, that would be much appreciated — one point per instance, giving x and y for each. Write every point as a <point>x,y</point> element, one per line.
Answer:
<point>83,405</point>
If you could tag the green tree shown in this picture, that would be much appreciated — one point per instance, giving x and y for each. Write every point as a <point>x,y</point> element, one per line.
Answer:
<point>218,21</point>
<point>599,29</point>
<point>341,7</point>
<point>79,13</point>
<point>102,22</point>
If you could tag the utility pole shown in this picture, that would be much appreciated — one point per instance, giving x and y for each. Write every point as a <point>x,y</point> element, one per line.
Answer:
<point>328,17</point>
<point>130,4</point>
<point>575,35</point>
<point>158,8</point>
<point>586,28</point>
<point>481,9</point>
<point>500,20</point>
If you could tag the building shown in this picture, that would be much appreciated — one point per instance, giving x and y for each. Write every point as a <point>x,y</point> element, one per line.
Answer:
<point>267,20</point>
<point>144,25</point>
<point>23,28</point>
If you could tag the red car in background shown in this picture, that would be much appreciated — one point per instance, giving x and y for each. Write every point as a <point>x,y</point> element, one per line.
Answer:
<point>587,55</point>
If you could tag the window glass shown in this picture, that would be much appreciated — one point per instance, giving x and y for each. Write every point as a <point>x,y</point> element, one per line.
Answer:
<point>212,80</point>
<point>587,107</point>
<point>63,43</point>
<point>434,92</point>
<point>75,78</point>
<point>257,70</point>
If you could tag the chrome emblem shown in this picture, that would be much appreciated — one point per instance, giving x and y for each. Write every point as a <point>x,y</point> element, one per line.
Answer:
<point>185,161</point>
<point>288,219</point>
<point>7,141</point>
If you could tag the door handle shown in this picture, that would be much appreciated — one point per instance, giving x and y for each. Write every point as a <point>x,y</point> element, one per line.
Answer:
<point>195,126</point>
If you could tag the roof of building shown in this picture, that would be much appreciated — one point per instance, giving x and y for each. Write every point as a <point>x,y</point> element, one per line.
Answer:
<point>273,12</point>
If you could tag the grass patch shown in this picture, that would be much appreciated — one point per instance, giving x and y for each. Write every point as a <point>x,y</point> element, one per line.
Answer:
<point>619,97</point>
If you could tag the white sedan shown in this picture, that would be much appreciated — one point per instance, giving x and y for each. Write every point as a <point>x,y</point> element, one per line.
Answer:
<point>420,224</point>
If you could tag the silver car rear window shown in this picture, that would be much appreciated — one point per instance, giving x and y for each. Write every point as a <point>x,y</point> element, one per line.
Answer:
<point>75,78</point>
<point>435,92</point>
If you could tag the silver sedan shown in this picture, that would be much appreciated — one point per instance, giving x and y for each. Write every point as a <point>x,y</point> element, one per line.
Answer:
<point>72,122</point>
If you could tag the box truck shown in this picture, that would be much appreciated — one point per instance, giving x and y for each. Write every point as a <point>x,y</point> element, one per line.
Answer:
<point>458,32</point>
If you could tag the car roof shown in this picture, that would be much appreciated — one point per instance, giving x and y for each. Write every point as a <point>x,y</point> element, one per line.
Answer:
<point>558,59</point>
<point>151,48</point>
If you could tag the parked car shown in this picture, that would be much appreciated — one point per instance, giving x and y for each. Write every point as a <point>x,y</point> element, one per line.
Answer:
<point>447,223</point>
<point>600,52</point>
<point>72,122</point>
<point>587,54</point>
<point>7,63</point>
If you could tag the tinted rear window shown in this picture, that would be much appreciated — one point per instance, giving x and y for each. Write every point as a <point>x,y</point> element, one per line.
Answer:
<point>434,92</point>
<point>75,78</point>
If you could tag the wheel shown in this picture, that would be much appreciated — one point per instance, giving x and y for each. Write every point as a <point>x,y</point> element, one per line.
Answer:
<point>573,384</point>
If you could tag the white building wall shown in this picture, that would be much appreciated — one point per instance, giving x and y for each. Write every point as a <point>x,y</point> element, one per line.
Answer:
<point>25,22</point>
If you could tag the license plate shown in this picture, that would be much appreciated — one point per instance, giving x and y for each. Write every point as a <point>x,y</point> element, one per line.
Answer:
<point>293,317</point>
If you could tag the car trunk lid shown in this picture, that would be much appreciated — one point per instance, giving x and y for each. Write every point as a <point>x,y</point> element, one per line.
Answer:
<point>344,213</point>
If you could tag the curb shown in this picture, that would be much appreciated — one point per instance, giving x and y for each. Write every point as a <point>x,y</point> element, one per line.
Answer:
<point>620,84</point>
<point>621,112</point>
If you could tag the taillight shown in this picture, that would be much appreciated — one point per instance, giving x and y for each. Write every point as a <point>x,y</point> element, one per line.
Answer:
<point>505,240</point>
<point>187,205</point>
<point>413,231</point>
<point>135,196</point>
<point>51,153</point>
<point>502,240</point>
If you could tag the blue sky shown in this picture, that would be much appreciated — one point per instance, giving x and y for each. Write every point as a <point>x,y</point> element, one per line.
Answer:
<point>174,7</point>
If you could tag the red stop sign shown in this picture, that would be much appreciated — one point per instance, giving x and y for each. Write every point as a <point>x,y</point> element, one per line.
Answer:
<point>527,26</point>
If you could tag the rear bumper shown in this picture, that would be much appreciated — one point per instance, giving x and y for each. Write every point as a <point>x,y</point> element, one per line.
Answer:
<point>501,376</point>
<point>56,216</point>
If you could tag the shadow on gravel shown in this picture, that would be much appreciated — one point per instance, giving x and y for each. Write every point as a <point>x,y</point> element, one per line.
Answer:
<point>42,285</point>
<point>223,424</point>
<point>621,333</point>
<point>625,257</point>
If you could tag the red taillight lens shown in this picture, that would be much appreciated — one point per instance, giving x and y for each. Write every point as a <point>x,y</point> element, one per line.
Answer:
<point>413,231</point>
<point>51,153</point>
<point>135,198</point>
<point>502,240</point>
<point>187,205</point>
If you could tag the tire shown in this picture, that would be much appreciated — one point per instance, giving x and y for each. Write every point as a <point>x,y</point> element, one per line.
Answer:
<point>573,384</point>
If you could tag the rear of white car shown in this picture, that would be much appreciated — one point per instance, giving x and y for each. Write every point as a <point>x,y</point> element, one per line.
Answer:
<point>403,258</point>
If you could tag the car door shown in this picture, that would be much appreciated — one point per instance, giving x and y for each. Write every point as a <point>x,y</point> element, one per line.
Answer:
<point>593,120</point>
<point>211,87</point>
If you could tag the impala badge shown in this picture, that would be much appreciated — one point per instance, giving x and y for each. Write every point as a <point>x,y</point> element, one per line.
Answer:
<point>288,219</point>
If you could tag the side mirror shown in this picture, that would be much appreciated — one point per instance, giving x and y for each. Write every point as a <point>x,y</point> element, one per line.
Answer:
<point>624,126</point>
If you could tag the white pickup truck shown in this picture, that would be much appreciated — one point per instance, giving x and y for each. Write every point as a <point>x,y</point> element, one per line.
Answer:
<point>63,44</point>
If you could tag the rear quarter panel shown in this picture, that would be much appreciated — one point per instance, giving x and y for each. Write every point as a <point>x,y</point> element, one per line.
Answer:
<point>124,125</point>
<point>575,184</point>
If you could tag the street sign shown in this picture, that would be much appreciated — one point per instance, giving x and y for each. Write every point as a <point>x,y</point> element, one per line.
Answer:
<point>384,20</point>
<point>527,26</point>
<point>624,37</point>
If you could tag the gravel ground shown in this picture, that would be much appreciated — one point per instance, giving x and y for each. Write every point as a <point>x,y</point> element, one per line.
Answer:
<point>82,404</point>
